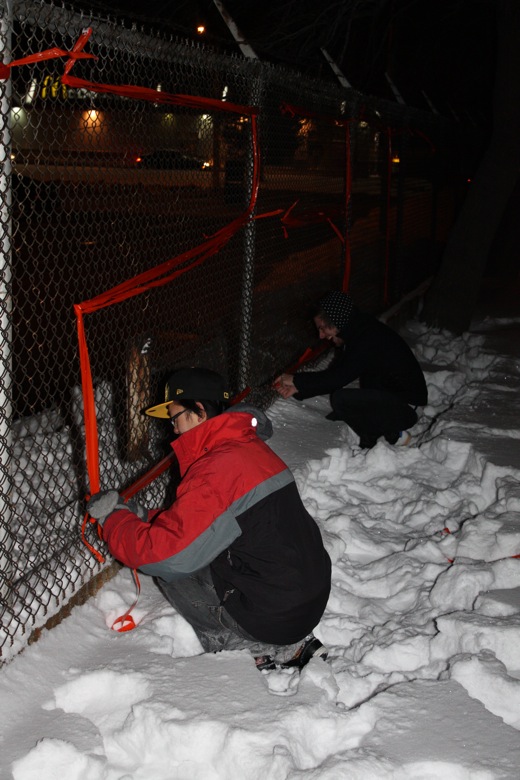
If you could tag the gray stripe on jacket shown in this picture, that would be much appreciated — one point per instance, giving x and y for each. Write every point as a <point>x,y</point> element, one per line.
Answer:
<point>218,537</point>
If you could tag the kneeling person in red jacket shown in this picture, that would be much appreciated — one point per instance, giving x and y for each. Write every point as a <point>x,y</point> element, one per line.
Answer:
<point>237,553</point>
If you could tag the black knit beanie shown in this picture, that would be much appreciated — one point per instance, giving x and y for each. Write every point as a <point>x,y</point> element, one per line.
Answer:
<point>338,308</point>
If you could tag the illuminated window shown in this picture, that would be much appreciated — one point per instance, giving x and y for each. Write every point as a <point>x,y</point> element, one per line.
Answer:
<point>93,122</point>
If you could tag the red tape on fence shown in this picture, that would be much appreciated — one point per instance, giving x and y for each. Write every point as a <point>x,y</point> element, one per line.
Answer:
<point>160,275</point>
<point>155,277</point>
<point>165,272</point>
<point>48,54</point>
<point>126,622</point>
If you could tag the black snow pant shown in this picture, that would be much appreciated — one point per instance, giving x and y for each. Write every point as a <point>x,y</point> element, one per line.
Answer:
<point>372,413</point>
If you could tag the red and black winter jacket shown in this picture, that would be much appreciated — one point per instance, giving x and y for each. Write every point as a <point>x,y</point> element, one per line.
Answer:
<point>237,510</point>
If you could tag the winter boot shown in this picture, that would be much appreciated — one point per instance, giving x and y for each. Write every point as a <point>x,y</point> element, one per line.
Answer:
<point>265,663</point>
<point>311,648</point>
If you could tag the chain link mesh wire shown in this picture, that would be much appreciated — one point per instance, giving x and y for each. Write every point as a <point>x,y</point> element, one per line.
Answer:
<point>98,188</point>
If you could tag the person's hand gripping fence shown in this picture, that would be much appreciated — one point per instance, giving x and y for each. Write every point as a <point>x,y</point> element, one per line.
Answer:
<point>102,504</point>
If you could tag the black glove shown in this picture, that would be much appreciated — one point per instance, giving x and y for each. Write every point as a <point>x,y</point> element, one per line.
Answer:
<point>102,504</point>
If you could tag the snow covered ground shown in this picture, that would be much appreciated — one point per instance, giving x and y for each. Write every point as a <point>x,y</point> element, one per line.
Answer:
<point>422,626</point>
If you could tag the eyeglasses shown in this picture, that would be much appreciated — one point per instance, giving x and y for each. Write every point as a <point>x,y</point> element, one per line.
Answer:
<point>172,419</point>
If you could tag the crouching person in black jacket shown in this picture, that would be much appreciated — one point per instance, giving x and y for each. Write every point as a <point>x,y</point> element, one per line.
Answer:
<point>391,382</point>
<point>237,553</point>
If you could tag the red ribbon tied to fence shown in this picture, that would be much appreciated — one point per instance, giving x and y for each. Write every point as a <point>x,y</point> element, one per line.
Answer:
<point>77,53</point>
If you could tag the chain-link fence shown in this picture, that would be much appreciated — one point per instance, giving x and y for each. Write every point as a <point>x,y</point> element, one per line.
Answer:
<point>193,206</point>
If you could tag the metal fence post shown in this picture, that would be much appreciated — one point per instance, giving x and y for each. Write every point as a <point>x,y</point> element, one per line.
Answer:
<point>248,268</point>
<point>6,409</point>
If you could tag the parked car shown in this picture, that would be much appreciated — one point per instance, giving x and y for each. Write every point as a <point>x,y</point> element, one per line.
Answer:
<point>167,159</point>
